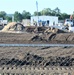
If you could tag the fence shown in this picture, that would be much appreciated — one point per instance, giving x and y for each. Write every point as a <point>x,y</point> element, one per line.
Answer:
<point>36,71</point>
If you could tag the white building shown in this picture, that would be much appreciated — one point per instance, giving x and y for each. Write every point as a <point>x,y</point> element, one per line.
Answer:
<point>26,22</point>
<point>46,20</point>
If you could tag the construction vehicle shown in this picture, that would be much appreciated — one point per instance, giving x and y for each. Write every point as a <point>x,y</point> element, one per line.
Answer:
<point>69,24</point>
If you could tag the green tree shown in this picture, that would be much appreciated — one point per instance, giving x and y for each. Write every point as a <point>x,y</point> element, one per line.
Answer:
<point>8,18</point>
<point>18,16</point>
<point>53,13</point>
<point>57,11</point>
<point>3,14</point>
<point>26,15</point>
<point>37,13</point>
<point>46,11</point>
<point>64,16</point>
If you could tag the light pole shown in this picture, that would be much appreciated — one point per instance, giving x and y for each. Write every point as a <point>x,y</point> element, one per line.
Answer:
<point>37,11</point>
<point>12,18</point>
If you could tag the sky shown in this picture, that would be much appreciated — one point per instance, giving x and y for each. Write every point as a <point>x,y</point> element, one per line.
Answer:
<point>10,6</point>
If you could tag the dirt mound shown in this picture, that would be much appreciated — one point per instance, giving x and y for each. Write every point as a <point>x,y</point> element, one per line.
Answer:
<point>41,29</point>
<point>13,26</point>
<point>64,37</point>
<point>37,38</point>
<point>53,30</point>
<point>35,29</point>
<point>51,36</point>
<point>43,37</point>
<point>70,37</point>
<point>67,38</point>
<point>7,27</point>
<point>54,37</point>
<point>30,29</point>
<point>35,60</point>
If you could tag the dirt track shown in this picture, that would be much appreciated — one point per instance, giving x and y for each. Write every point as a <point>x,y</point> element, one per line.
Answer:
<point>36,38</point>
<point>36,56</point>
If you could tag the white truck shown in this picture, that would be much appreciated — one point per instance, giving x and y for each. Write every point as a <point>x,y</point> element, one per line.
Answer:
<point>68,22</point>
<point>3,22</point>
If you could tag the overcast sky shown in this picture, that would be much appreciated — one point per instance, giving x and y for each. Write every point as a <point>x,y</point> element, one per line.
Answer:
<point>10,6</point>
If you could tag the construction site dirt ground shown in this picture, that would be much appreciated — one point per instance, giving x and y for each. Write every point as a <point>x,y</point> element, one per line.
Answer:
<point>26,38</point>
<point>37,56</point>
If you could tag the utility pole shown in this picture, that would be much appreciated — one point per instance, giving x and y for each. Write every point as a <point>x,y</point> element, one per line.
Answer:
<point>12,18</point>
<point>37,11</point>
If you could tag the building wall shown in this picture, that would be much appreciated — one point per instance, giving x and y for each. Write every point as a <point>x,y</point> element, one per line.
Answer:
<point>51,19</point>
<point>26,22</point>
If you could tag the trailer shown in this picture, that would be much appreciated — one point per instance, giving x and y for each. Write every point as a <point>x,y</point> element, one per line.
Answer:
<point>44,20</point>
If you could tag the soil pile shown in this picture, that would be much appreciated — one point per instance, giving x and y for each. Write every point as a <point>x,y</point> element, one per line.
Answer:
<point>35,29</point>
<point>29,29</point>
<point>54,38</point>
<point>39,37</point>
<point>64,37</point>
<point>13,26</point>
<point>54,30</point>
<point>7,27</point>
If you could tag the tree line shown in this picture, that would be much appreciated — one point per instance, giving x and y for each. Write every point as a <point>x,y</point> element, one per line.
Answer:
<point>17,16</point>
<point>26,15</point>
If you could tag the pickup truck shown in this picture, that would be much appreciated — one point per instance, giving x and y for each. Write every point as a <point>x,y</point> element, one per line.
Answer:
<point>68,22</point>
<point>3,22</point>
